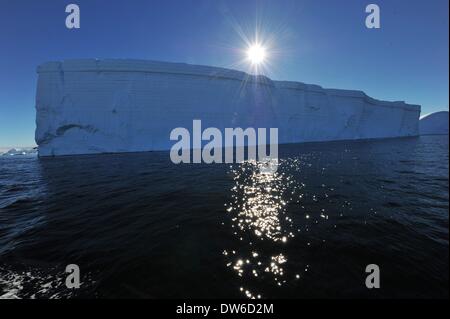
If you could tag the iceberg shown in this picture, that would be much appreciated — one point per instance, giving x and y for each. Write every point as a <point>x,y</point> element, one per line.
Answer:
<point>105,106</point>
<point>434,123</point>
<point>19,151</point>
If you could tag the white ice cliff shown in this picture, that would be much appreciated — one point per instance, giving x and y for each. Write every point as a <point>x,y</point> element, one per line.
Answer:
<point>435,123</point>
<point>97,106</point>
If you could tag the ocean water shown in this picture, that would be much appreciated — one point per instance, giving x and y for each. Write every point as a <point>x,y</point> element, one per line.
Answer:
<point>139,226</point>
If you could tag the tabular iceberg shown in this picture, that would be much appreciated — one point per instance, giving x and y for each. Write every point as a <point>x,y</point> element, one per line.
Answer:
<point>103,106</point>
<point>434,123</point>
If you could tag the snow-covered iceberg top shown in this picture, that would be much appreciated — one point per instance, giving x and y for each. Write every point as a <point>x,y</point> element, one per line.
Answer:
<point>147,66</point>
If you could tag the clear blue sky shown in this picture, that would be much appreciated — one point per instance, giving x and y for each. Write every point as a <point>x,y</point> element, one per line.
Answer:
<point>317,41</point>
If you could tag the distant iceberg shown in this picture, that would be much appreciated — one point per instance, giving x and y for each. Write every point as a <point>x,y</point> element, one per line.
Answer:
<point>20,151</point>
<point>435,123</point>
<point>103,106</point>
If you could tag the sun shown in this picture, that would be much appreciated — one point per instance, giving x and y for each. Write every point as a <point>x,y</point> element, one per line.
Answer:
<point>256,54</point>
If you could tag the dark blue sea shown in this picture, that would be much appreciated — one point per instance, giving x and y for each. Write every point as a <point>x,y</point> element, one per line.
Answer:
<point>139,226</point>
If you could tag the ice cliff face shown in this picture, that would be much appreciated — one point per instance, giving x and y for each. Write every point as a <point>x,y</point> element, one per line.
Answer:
<point>95,106</point>
<point>435,123</point>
